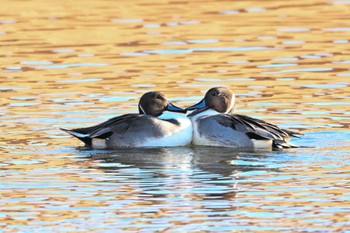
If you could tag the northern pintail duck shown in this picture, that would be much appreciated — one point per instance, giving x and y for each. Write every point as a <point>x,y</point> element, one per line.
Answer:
<point>154,126</point>
<point>215,125</point>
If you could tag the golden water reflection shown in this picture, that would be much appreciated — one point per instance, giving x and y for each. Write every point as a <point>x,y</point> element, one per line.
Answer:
<point>68,64</point>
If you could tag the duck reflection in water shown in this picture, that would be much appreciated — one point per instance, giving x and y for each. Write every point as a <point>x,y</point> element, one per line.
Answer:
<point>204,171</point>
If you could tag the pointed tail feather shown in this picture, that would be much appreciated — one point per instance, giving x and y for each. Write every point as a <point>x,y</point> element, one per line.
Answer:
<point>282,144</point>
<point>82,137</point>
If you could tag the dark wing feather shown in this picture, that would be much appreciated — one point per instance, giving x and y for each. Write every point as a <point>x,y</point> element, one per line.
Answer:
<point>259,129</point>
<point>104,130</point>
<point>125,121</point>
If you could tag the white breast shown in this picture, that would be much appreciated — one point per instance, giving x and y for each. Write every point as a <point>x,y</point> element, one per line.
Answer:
<point>181,137</point>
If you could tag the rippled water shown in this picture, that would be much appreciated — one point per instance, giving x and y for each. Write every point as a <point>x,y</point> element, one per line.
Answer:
<point>77,63</point>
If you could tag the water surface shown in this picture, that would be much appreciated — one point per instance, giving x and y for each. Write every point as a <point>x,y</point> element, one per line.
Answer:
<point>74,64</point>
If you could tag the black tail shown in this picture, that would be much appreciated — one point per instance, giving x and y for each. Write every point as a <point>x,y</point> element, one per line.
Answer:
<point>78,135</point>
<point>282,144</point>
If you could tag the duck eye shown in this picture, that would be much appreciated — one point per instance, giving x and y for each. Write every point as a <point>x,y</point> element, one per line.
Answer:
<point>215,94</point>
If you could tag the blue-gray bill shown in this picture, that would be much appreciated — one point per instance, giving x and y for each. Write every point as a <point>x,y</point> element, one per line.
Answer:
<point>172,108</point>
<point>199,105</point>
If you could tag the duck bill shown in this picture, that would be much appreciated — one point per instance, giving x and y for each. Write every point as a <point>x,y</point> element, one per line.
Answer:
<point>201,104</point>
<point>173,108</point>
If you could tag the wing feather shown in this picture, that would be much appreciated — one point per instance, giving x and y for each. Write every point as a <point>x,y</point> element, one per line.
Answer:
<point>105,129</point>
<point>258,129</point>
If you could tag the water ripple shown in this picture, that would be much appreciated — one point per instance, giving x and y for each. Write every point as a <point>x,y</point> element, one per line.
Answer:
<point>294,29</point>
<point>310,69</point>
<point>203,41</point>
<point>343,29</point>
<point>63,50</point>
<point>80,80</point>
<point>91,62</point>
<point>36,62</point>
<point>63,66</point>
<point>127,20</point>
<point>345,2</point>
<point>183,51</point>
<point>229,12</point>
<point>134,54</point>
<point>277,65</point>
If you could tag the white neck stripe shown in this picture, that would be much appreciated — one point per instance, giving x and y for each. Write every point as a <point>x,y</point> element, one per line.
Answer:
<point>142,109</point>
<point>232,104</point>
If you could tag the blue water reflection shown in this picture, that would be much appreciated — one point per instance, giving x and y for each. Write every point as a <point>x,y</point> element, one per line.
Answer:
<point>183,51</point>
<point>309,69</point>
<point>277,65</point>
<point>80,80</point>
